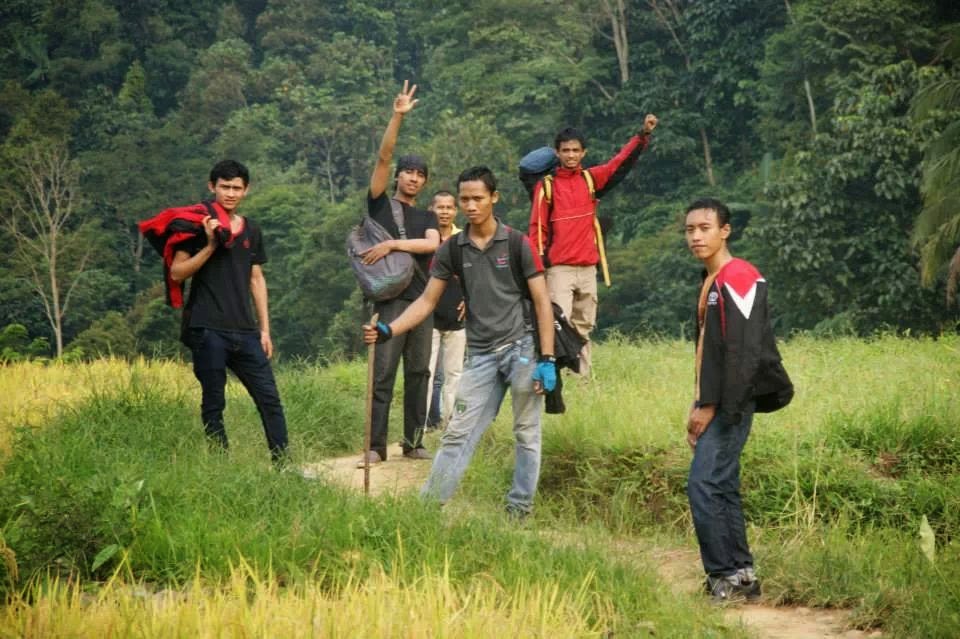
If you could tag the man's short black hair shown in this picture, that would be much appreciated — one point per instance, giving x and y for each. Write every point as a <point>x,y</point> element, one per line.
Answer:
<point>567,135</point>
<point>481,173</point>
<point>443,193</point>
<point>712,204</point>
<point>227,170</point>
<point>411,163</point>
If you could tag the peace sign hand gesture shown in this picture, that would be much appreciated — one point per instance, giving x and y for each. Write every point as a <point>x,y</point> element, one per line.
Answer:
<point>404,101</point>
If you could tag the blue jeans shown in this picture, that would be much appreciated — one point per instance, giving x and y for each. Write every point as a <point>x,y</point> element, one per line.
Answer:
<point>713,488</point>
<point>213,352</point>
<point>484,383</point>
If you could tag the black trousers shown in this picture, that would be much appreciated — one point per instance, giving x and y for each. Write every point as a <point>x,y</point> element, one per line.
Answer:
<point>414,348</point>
<point>215,351</point>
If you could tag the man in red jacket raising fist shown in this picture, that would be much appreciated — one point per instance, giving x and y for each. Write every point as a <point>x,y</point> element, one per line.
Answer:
<point>563,224</point>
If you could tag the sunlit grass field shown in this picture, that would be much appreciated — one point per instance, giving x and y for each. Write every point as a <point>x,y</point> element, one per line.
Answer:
<point>116,520</point>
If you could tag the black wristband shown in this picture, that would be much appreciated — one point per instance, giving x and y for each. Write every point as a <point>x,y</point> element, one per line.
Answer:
<point>548,358</point>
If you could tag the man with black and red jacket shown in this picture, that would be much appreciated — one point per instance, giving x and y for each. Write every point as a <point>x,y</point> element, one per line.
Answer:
<point>738,373</point>
<point>563,227</point>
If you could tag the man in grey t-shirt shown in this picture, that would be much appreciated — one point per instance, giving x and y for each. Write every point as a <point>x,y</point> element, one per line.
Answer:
<point>501,350</point>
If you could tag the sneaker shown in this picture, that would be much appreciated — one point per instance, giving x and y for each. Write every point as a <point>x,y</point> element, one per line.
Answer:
<point>749,583</point>
<point>417,453</point>
<point>373,457</point>
<point>724,590</point>
<point>731,589</point>
<point>517,514</point>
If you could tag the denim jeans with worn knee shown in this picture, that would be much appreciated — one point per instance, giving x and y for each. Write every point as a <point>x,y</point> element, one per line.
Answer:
<point>484,384</point>
<point>713,488</point>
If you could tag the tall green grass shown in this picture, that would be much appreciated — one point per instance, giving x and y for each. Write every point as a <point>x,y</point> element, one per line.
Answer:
<point>124,480</point>
<point>835,488</point>
<point>868,447</point>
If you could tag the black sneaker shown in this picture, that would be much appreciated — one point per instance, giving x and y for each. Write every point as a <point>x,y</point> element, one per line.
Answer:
<point>724,590</point>
<point>731,590</point>
<point>751,590</point>
<point>516,514</point>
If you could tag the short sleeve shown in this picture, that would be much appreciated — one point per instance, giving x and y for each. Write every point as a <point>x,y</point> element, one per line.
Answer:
<point>532,264</point>
<point>442,266</point>
<point>258,254</point>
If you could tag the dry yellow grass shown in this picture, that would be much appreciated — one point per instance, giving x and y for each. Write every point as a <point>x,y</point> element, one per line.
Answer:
<point>383,606</point>
<point>34,392</point>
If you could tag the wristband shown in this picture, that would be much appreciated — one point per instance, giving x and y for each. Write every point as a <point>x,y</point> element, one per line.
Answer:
<point>547,358</point>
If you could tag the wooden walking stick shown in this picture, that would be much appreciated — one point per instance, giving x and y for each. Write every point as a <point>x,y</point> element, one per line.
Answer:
<point>368,427</point>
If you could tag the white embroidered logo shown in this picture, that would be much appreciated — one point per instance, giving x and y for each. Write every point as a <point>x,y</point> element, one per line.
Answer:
<point>712,298</point>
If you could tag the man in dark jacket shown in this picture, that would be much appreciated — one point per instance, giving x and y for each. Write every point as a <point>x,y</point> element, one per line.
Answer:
<point>738,372</point>
<point>563,224</point>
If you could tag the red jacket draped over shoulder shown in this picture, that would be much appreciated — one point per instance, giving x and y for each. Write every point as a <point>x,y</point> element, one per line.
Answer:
<point>174,226</point>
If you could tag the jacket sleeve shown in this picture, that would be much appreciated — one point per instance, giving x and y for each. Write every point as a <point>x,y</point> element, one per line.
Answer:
<point>608,175</point>
<point>712,362</point>
<point>539,220</point>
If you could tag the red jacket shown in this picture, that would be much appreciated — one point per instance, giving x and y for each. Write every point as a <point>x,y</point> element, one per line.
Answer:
<point>174,226</point>
<point>566,227</point>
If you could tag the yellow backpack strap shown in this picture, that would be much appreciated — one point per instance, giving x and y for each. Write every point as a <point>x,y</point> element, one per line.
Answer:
<point>588,178</point>
<point>590,186</point>
<point>546,195</point>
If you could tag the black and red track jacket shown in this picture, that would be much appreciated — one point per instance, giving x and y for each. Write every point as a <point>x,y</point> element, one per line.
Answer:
<point>173,226</point>
<point>566,224</point>
<point>740,360</point>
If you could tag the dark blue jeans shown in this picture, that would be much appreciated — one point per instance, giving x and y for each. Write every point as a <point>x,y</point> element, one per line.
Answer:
<point>214,352</point>
<point>414,348</point>
<point>713,488</point>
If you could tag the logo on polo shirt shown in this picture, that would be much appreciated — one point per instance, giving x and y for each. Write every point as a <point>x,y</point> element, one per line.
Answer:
<point>503,261</point>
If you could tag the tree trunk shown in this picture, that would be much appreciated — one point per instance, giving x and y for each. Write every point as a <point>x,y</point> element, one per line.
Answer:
<point>707,156</point>
<point>618,28</point>
<point>806,82</point>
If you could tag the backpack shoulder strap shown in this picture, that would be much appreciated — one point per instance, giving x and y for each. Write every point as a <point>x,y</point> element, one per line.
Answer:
<point>548,188</point>
<point>397,209</point>
<point>515,239</point>
<point>456,260</point>
<point>588,178</point>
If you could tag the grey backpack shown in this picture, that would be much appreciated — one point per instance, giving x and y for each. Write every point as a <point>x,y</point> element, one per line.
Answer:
<point>386,278</point>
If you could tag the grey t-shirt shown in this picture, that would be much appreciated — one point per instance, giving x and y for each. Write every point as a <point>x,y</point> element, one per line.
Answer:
<point>495,307</point>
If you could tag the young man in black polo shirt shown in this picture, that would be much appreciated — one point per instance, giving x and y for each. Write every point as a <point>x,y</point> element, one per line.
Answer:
<point>418,236</point>
<point>499,336</point>
<point>225,270</point>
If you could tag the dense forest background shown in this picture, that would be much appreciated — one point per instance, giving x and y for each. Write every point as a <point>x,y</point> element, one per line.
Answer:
<point>831,126</point>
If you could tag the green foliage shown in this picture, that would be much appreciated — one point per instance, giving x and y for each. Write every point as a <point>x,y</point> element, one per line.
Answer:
<point>107,336</point>
<point>16,345</point>
<point>149,96</point>
<point>836,241</point>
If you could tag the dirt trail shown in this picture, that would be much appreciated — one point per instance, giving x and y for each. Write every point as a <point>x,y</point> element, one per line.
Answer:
<point>680,568</point>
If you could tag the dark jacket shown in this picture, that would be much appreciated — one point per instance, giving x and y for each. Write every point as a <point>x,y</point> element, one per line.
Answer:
<point>740,361</point>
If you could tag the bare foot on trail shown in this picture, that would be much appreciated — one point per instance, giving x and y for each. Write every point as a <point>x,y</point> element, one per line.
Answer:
<point>394,476</point>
